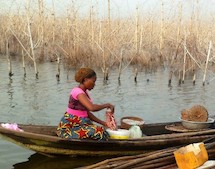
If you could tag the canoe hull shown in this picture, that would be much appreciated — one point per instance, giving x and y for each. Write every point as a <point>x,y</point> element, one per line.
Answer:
<point>43,139</point>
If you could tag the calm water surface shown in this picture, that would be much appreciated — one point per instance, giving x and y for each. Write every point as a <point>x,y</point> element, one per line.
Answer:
<point>43,101</point>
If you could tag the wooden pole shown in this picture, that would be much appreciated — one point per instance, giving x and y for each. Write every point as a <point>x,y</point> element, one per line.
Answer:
<point>185,54</point>
<point>135,75</point>
<point>8,58</point>
<point>120,64</point>
<point>206,64</point>
<point>106,74</point>
<point>179,77</point>
<point>194,77</point>
<point>23,63</point>
<point>170,78</point>
<point>58,68</point>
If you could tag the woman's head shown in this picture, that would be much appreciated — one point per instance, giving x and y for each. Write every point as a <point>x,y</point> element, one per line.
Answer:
<point>86,76</point>
<point>83,73</point>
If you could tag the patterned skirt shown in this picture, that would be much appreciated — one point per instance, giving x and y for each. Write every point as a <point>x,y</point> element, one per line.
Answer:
<point>74,127</point>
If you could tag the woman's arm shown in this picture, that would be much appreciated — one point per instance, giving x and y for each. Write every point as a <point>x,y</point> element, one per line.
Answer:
<point>93,107</point>
<point>94,118</point>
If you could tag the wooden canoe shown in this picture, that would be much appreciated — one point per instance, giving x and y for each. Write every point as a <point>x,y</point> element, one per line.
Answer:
<point>43,140</point>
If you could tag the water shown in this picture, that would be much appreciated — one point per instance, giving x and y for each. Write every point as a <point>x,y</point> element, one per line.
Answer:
<point>43,101</point>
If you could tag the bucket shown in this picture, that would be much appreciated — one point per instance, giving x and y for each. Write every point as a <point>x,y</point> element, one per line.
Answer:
<point>128,121</point>
<point>118,134</point>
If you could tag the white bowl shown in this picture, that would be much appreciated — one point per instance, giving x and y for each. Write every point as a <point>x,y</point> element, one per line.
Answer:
<point>197,125</point>
<point>118,134</point>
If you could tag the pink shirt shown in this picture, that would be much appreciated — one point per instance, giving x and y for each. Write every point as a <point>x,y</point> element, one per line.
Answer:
<point>75,92</point>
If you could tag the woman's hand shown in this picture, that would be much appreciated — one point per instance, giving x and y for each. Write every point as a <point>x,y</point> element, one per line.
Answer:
<point>105,125</point>
<point>111,107</point>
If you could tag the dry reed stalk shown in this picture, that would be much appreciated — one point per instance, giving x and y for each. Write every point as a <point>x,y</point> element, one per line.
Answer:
<point>41,21</point>
<point>68,25</point>
<point>192,58</point>
<point>161,27</point>
<point>92,27</point>
<point>109,19</point>
<point>53,21</point>
<point>136,30</point>
<point>179,23</point>
<point>100,34</point>
<point>141,40</point>
<point>30,37</point>
<point>23,47</point>
<point>111,34</point>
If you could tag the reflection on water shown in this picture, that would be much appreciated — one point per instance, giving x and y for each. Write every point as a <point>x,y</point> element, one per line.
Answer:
<point>43,100</point>
<point>37,161</point>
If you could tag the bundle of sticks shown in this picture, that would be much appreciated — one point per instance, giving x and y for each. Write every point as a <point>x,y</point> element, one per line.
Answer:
<point>159,159</point>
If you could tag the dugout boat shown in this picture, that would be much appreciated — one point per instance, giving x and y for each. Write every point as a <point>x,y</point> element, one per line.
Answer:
<point>157,136</point>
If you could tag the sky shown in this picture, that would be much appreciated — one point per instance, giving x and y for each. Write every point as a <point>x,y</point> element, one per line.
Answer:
<point>127,8</point>
<point>120,8</point>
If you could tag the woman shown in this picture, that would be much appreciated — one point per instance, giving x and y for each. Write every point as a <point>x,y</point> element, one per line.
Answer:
<point>77,122</point>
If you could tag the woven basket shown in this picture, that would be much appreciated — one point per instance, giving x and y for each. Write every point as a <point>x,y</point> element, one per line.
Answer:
<point>135,121</point>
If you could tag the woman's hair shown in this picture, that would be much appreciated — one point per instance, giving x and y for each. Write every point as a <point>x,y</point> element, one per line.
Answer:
<point>83,73</point>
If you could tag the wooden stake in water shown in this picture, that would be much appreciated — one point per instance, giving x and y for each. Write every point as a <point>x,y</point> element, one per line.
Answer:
<point>105,71</point>
<point>135,77</point>
<point>194,77</point>
<point>9,59</point>
<point>106,74</point>
<point>23,63</point>
<point>170,78</point>
<point>58,68</point>
<point>179,77</point>
<point>120,65</point>
<point>206,64</point>
<point>185,54</point>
